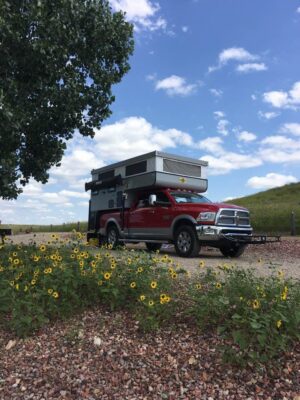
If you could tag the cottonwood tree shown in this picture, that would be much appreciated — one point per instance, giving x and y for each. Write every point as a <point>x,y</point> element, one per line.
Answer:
<point>58,62</point>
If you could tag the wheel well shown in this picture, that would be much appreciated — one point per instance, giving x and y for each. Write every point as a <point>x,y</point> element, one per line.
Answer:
<point>182,222</point>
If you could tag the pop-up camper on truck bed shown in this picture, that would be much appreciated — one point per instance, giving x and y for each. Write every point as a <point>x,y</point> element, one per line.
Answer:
<point>155,198</point>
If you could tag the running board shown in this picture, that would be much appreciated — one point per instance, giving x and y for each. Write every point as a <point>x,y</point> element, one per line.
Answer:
<point>143,240</point>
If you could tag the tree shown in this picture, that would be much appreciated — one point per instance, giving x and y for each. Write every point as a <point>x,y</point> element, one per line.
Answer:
<point>58,62</point>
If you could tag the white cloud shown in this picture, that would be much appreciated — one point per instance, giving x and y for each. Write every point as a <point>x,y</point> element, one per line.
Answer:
<point>233,54</point>
<point>222,127</point>
<point>211,144</point>
<point>270,180</point>
<point>268,115</point>
<point>175,85</point>
<point>280,149</point>
<point>250,67</point>
<point>237,54</point>
<point>69,193</point>
<point>298,10</point>
<point>142,13</point>
<point>216,92</point>
<point>133,136</point>
<point>219,114</point>
<point>292,128</point>
<point>185,29</point>
<point>230,161</point>
<point>246,136</point>
<point>281,99</point>
<point>76,163</point>
<point>282,142</point>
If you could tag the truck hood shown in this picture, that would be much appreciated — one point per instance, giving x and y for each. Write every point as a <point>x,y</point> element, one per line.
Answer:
<point>215,207</point>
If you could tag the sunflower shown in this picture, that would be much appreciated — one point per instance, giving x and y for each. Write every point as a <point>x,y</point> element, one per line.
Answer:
<point>42,247</point>
<point>133,285</point>
<point>142,297</point>
<point>107,275</point>
<point>255,304</point>
<point>153,284</point>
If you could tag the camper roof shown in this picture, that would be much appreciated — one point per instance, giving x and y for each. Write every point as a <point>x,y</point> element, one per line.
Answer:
<point>149,155</point>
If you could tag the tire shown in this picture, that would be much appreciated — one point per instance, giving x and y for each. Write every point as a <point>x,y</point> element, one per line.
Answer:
<point>233,251</point>
<point>112,236</point>
<point>153,246</point>
<point>186,241</point>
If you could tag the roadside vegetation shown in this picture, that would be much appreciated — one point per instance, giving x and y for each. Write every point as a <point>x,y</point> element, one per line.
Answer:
<point>271,210</point>
<point>257,318</point>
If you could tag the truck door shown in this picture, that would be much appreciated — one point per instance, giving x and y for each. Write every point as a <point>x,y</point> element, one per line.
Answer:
<point>151,222</point>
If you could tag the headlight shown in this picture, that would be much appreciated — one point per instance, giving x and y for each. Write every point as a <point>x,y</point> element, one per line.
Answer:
<point>206,216</point>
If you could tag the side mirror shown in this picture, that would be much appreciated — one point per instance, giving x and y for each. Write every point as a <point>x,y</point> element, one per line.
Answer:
<point>152,199</point>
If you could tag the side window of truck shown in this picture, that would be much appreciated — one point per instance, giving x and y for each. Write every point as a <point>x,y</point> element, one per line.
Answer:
<point>162,198</point>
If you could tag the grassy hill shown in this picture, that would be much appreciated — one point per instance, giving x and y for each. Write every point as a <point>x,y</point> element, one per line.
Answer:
<point>271,210</point>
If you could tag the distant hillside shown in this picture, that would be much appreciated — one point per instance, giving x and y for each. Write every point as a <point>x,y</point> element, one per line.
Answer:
<point>271,210</point>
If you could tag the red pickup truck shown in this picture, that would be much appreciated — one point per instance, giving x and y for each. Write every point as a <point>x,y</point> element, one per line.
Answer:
<point>181,217</point>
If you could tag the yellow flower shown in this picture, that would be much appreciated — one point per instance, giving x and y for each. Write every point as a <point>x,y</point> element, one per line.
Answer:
<point>133,285</point>
<point>42,247</point>
<point>241,298</point>
<point>113,265</point>
<point>151,303</point>
<point>72,255</point>
<point>36,258</point>
<point>279,323</point>
<point>202,264</point>
<point>16,261</point>
<point>129,260</point>
<point>142,297</point>
<point>76,250</point>
<point>140,269</point>
<point>107,275</point>
<point>50,291</point>
<point>100,283</point>
<point>93,263</point>
<point>255,304</point>
<point>25,288</point>
<point>33,282</point>
<point>163,296</point>
<point>55,295</point>
<point>17,286</point>
<point>218,285</point>
<point>15,254</point>
<point>198,286</point>
<point>174,275</point>
<point>283,296</point>
<point>280,274</point>
<point>83,273</point>
<point>153,284</point>
<point>81,263</point>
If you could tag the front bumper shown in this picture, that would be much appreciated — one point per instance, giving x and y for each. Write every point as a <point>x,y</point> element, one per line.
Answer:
<point>216,233</point>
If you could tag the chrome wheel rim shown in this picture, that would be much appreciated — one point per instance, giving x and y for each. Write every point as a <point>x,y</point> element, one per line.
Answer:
<point>112,237</point>
<point>184,241</point>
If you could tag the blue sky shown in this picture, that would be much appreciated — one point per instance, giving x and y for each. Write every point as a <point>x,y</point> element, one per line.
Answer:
<point>211,79</point>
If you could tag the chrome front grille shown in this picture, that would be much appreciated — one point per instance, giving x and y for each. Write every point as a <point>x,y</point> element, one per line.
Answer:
<point>232,217</point>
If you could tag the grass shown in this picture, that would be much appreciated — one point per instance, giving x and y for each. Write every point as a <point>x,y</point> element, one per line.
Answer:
<point>65,227</point>
<point>271,210</point>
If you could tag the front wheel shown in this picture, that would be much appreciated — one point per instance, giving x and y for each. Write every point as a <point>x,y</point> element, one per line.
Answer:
<point>233,251</point>
<point>153,246</point>
<point>186,241</point>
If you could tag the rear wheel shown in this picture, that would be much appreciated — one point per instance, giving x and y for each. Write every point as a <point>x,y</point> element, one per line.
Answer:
<point>112,237</point>
<point>153,246</point>
<point>234,250</point>
<point>186,241</point>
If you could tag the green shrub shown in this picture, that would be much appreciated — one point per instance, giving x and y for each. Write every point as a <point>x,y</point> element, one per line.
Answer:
<point>259,316</point>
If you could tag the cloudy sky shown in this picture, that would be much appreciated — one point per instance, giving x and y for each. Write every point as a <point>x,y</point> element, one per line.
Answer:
<point>211,79</point>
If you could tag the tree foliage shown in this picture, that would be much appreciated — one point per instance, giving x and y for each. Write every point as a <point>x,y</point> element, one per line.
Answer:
<point>58,62</point>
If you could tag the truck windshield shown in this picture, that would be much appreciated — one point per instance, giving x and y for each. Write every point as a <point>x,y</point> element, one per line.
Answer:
<point>181,197</point>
